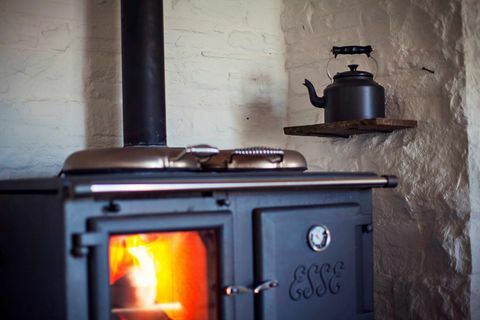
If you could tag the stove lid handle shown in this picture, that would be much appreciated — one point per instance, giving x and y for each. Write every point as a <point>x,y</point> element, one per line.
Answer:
<point>275,155</point>
<point>199,151</point>
<point>202,150</point>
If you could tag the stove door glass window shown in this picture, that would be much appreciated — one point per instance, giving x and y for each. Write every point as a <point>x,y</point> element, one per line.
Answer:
<point>164,275</point>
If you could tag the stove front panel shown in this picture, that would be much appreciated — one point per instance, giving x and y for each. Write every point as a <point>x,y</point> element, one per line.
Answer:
<point>161,267</point>
<point>320,257</point>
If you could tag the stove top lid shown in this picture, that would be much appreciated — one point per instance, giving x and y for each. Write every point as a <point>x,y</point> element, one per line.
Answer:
<point>138,158</point>
<point>194,158</point>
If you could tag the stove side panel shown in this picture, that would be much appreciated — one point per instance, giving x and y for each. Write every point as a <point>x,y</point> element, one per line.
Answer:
<point>32,274</point>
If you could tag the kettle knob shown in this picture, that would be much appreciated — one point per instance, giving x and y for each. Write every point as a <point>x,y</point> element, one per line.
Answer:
<point>353,67</point>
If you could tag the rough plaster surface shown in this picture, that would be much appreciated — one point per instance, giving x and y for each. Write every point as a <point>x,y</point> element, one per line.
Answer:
<point>60,77</point>
<point>471,17</point>
<point>422,240</point>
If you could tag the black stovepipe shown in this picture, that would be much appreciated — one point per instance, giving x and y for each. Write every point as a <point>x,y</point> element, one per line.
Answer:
<point>143,73</point>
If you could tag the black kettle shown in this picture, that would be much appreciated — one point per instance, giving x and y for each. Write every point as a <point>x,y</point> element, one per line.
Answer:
<point>353,94</point>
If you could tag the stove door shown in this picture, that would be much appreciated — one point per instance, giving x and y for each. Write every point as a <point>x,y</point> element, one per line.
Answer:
<point>314,263</point>
<point>168,266</point>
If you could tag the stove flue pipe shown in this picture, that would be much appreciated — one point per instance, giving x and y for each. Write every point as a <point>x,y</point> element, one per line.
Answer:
<point>143,69</point>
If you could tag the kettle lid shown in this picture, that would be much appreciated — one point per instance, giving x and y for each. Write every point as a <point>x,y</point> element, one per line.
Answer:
<point>353,73</point>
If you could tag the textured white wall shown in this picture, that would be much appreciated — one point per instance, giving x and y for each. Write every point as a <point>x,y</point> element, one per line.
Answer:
<point>422,239</point>
<point>42,92</point>
<point>471,18</point>
<point>60,77</point>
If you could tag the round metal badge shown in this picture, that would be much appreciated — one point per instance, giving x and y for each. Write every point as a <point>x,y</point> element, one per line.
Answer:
<point>319,238</point>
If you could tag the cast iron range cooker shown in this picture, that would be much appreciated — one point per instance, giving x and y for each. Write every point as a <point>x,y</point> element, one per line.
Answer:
<point>149,232</point>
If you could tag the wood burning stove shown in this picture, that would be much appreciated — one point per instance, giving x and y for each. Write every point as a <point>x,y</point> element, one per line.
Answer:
<point>188,246</point>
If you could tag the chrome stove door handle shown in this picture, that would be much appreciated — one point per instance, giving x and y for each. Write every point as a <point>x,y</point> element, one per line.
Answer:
<point>236,290</point>
<point>267,285</point>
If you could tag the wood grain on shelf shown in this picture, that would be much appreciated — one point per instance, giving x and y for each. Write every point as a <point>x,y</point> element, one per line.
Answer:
<point>345,129</point>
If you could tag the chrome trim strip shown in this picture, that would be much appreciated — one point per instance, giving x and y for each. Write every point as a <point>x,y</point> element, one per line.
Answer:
<point>198,185</point>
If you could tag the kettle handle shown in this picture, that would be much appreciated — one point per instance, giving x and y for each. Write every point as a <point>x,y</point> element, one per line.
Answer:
<point>346,50</point>
<point>352,50</point>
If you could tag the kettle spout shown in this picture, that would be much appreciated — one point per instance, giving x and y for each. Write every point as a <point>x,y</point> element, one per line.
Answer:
<point>314,99</point>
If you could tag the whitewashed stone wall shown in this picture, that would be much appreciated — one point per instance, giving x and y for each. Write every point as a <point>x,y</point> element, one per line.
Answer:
<point>60,77</point>
<point>423,255</point>
<point>471,18</point>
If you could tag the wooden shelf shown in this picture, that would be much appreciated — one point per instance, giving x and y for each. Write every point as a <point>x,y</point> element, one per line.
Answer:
<point>345,129</point>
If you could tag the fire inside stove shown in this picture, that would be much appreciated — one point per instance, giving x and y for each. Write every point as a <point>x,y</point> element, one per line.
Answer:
<point>165,275</point>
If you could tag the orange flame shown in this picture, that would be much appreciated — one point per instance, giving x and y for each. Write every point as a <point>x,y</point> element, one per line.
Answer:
<point>166,270</point>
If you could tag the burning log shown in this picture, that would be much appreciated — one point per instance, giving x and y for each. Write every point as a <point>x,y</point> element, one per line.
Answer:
<point>131,301</point>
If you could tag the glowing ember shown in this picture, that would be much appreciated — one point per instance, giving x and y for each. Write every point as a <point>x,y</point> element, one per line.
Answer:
<point>166,273</point>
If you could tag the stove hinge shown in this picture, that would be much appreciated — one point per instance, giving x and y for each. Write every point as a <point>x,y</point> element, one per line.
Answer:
<point>82,242</point>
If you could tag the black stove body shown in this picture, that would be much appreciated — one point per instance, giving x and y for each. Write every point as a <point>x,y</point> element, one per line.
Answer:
<point>242,246</point>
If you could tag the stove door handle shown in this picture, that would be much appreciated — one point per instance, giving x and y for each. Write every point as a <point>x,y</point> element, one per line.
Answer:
<point>236,290</point>
<point>268,285</point>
